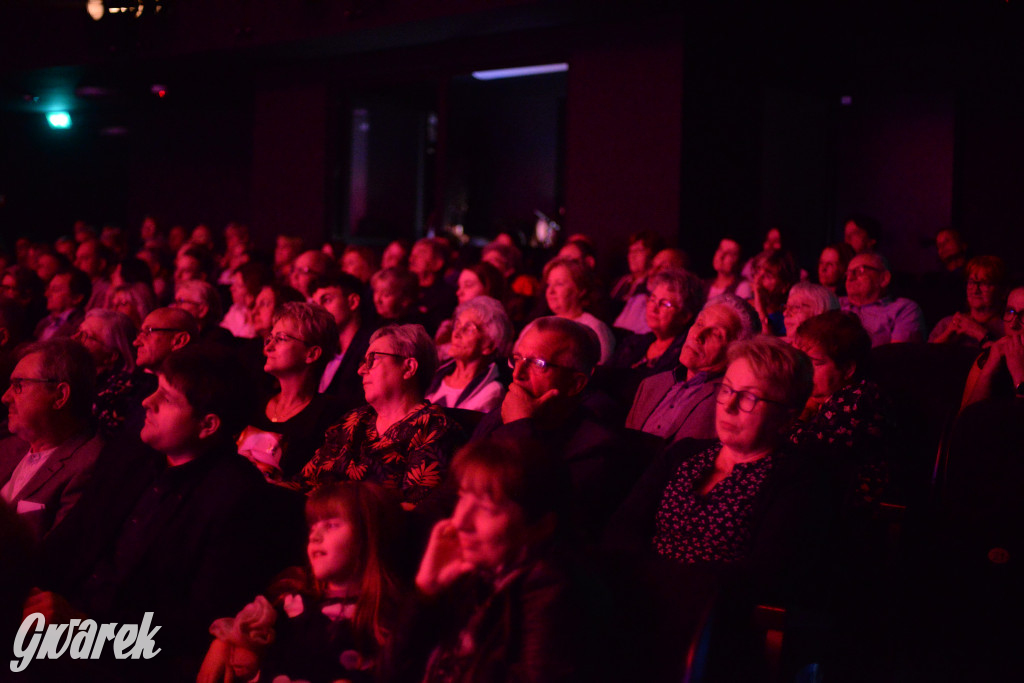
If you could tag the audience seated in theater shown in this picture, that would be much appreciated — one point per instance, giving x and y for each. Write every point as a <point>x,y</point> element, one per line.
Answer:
<point>108,336</point>
<point>246,281</point>
<point>743,505</point>
<point>164,331</point>
<point>847,419</point>
<point>772,243</point>
<point>49,263</point>
<point>806,300</point>
<point>832,265</point>
<point>95,260</point>
<point>342,297</point>
<point>159,262</point>
<point>498,597</point>
<point>726,264</point>
<point>22,286</point>
<point>675,299</point>
<point>48,461</point>
<point>134,300</point>
<point>359,261</point>
<point>329,619</point>
<point>399,440</point>
<point>774,273</point>
<point>552,363</point>
<point>66,296</point>
<point>982,324</point>
<point>192,262</point>
<point>395,294</point>
<point>679,404</point>
<point>479,279</point>
<point>12,335</point>
<point>999,370</point>
<point>308,267</point>
<point>570,289</point>
<point>188,530</point>
<point>862,233</point>
<point>282,435</point>
<point>482,339</point>
<point>629,293</point>
<point>202,301</point>
<point>887,320</point>
<point>396,255</point>
<point>940,292</point>
<point>436,297</point>
<point>522,288</point>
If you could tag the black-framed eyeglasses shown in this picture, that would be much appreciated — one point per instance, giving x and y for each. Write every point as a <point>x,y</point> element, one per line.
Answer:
<point>746,400</point>
<point>280,338</point>
<point>18,383</point>
<point>860,270</point>
<point>370,359</point>
<point>1010,314</point>
<point>538,363</point>
<point>149,329</point>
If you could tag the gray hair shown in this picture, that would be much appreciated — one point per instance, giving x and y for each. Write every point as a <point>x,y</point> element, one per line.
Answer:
<point>316,328</point>
<point>494,322</point>
<point>206,293</point>
<point>584,346</point>
<point>412,341</point>
<point>750,323</point>
<point>139,293</point>
<point>822,298</point>
<point>67,361</point>
<point>683,283</point>
<point>116,333</point>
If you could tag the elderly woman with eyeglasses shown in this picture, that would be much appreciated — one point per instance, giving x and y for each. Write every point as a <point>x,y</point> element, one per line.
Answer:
<point>806,300</point>
<point>735,505</point>
<point>999,370</point>
<point>400,440</point>
<point>982,323</point>
<point>283,436</point>
<point>481,339</point>
<point>108,336</point>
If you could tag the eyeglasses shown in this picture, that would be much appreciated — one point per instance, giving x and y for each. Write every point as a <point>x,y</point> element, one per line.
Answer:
<point>1011,314</point>
<point>538,363</point>
<point>280,338</point>
<point>860,270</point>
<point>746,402</point>
<point>981,284</point>
<point>148,330</point>
<point>663,303</point>
<point>371,358</point>
<point>795,308</point>
<point>18,383</point>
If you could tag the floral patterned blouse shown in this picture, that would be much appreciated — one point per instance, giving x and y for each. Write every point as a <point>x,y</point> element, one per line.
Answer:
<point>713,527</point>
<point>411,456</point>
<point>852,425</point>
<point>116,397</point>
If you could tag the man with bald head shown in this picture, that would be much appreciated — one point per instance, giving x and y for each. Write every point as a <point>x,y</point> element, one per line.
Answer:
<point>164,330</point>
<point>887,319</point>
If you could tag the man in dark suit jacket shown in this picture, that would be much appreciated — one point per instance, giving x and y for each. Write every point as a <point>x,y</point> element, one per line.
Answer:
<point>49,459</point>
<point>340,295</point>
<point>189,531</point>
<point>66,296</point>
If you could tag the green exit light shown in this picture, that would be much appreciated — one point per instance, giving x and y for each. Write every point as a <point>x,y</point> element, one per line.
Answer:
<point>59,119</point>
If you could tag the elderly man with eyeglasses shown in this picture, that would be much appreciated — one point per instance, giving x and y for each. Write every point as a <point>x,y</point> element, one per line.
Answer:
<point>552,363</point>
<point>887,319</point>
<point>163,331</point>
<point>49,459</point>
<point>679,403</point>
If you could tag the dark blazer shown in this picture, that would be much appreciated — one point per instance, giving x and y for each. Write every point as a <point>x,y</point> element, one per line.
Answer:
<point>65,329</point>
<point>49,495</point>
<point>690,421</point>
<point>346,385</point>
<point>211,542</point>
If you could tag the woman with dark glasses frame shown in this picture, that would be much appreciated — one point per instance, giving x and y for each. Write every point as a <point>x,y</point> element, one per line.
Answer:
<point>399,440</point>
<point>999,371</point>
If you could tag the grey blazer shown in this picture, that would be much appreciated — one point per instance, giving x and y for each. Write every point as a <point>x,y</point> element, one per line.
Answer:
<point>57,486</point>
<point>695,419</point>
